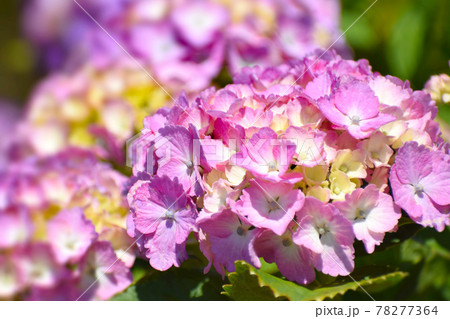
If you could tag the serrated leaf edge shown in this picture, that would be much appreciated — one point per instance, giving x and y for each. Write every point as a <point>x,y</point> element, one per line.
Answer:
<point>365,282</point>
<point>251,273</point>
<point>331,295</point>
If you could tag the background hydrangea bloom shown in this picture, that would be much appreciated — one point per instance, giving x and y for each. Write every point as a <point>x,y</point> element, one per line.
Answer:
<point>57,211</point>
<point>191,39</point>
<point>438,86</point>
<point>95,109</point>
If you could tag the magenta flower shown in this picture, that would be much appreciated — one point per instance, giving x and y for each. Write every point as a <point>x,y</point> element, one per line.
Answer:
<point>293,261</point>
<point>163,251</point>
<point>372,213</point>
<point>270,205</point>
<point>70,235</point>
<point>66,290</point>
<point>51,210</point>
<point>199,22</point>
<point>102,272</point>
<point>328,235</point>
<point>268,157</point>
<point>356,108</point>
<point>419,180</point>
<point>179,156</point>
<point>162,211</point>
<point>231,238</point>
<point>310,145</point>
<point>16,227</point>
<point>39,266</point>
<point>11,276</point>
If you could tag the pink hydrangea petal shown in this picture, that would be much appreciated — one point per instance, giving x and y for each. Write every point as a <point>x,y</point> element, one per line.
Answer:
<point>294,262</point>
<point>16,227</point>
<point>437,187</point>
<point>111,274</point>
<point>413,162</point>
<point>163,252</point>
<point>70,234</point>
<point>342,230</point>
<point>258,205</point>
<point>308,236</point>
<point>369,238</point>
<point>335,260</point>
<point>433,216</point>
<point>357,100</point>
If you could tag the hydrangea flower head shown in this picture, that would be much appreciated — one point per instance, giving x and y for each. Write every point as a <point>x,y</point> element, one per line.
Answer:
<point>95,109</point>
<point>291,164</point>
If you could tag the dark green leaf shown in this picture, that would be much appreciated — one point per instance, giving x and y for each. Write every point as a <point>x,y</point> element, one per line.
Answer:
<point>175,284</point>
<point>249,283</point>
<point>405,45</point>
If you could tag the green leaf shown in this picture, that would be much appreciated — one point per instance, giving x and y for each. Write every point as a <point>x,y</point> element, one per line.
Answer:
<point>249,283</point>
<point>269,268</point>
<point>175,284</point>
<point>405,46</point>
<point>362,36</point>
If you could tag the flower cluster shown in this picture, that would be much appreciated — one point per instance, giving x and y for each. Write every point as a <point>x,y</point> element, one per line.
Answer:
<point>63,235</point>
<point>93,108</point>
<point>439,88</point>
<point>291,164</point>
<point>184,42</point>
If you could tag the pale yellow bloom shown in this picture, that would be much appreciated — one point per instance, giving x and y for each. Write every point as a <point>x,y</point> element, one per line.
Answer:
<point>321,193</point>
<point>377,150</point>
<point>350,163</point>
<point>340,185</point>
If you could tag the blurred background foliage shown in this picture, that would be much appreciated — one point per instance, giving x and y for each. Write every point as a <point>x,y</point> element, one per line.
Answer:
<point>409,39</point>
<point>18,68</point>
